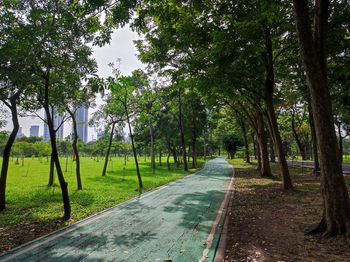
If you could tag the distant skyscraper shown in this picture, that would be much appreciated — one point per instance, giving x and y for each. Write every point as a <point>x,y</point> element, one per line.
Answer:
<point>57,120</point>
<point>100,134</point>
<point>82,117</point>
<point>34,131</point>
<point>20,133</point>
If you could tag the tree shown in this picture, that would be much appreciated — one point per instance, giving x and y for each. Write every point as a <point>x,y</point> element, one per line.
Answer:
<point>57,33</point>
<point>148,105</point>
<point>312,39</point>
<point>110,115</point>
<point>13,79</point>
<point>123,90</point>
<point>195,118</point>
<point>231,143</point>
<point>81,97</point>
<point>42,149</point>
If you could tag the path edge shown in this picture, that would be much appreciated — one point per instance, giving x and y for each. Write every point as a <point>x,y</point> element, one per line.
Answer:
<point>220,254</point>
<point>218,229</point>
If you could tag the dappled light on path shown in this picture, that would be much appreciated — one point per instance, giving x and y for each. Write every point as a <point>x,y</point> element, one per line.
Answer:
<point>171,222</point>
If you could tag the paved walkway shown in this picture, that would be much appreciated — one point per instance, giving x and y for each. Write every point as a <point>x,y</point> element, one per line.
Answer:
<point>172,222</point>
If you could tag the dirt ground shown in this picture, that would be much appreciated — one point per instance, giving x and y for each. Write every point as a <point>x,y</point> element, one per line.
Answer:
<point>268,224</point>
<point>14,236</point>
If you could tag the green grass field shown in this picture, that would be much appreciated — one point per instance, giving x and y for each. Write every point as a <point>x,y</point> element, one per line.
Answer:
<point>29,199</point>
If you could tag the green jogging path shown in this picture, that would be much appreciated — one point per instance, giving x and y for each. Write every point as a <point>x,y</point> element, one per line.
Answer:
<point>180,221</point>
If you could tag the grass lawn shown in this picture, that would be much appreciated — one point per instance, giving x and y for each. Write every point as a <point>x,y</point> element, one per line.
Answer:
<point>33,209</point>
<point>267,223</point>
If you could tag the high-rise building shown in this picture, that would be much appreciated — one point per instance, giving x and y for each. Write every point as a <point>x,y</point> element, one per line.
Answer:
<point>57,121</point>
<point>100,134</point>
<point>82,118</point>
<point>34,131</point>
<point>19,133</point>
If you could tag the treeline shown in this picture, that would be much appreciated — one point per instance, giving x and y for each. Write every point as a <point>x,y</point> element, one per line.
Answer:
<point>273,65</point>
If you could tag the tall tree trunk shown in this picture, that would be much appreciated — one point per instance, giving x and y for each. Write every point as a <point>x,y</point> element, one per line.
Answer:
<point>153,157</point>
<point>265,169</point>
<point>167,161</point>
<point>272,151</point>
<point>104,171</point>
<point>314,139</point>
<point>182,133</point>
<point>336,212</point>
<point>75,149</point>
<point>297,139</point>
<point>66,169</point>
<point>51,172</point>
<point>194,151</point>
<point>7,151</point>
<point>55,157</point>
<point>258,157</point>
<point>245,138</point>
<point>269,91</point>
<point>134,150</point>
<point>174,153</point>
<point>340,141</point>
<point>254,147</point>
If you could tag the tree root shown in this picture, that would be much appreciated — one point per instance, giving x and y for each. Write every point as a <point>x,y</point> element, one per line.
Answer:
<point>321,227</point>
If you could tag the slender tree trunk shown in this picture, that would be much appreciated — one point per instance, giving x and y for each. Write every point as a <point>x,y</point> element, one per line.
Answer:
<point>258,157</point>
<point>269,90</point>
<point>297,139</point>
<point>75,149</point>
<point>265,170</point>
<point>272,151</point>
<point>153,157</point>
<point>245,138</point>
<point>51,172</point>
<point>167,161</point>
<point>55,157</point>
<point>104,171</point>
<point>314,139</point>
<point>174,153</point>
<point>340,141</point>
<point>336,212</point>
<point>194,151</point>
<point>160,157</point>
<point>254,147</point>
<point>66,169</point>
<point>134,151</point>
<point>7,151</point>
<point>182,133</point>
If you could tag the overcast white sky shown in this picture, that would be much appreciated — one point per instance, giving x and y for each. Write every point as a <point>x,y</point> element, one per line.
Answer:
<point>121,47</point>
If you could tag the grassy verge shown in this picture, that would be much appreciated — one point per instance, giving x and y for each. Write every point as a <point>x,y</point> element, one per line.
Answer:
<point>34,209</point>
<point>268,224</point>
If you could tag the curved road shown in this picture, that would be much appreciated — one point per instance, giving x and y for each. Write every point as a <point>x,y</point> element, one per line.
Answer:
<point>172,222</point>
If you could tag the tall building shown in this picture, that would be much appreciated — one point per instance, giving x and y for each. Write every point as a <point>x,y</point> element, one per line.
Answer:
<point>34,131</point>
<point>57,120</point>
<point>19,133</point>
<point>82,117</point>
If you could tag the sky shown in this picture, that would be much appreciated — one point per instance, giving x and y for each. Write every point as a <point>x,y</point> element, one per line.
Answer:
<point>121,47</point>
